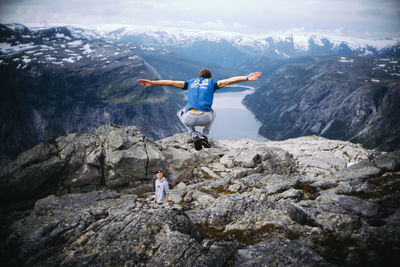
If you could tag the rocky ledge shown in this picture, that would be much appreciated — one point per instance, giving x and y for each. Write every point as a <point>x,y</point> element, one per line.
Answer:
<point>87,200</point>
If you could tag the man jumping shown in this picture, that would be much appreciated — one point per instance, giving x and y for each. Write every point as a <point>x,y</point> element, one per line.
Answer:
<point>200,99</point>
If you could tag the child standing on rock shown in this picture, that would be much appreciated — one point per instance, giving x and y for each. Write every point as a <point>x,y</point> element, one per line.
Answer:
<point>162,189</point>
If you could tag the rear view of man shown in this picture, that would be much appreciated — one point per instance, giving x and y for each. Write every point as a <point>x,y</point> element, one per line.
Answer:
<point>200,99</point>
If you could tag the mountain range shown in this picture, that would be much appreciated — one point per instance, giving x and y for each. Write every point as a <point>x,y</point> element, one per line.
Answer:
<point>233,49</point>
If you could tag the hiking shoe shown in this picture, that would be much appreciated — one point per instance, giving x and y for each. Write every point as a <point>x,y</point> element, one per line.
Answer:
<point>197,143</point>
<point>204,142</point>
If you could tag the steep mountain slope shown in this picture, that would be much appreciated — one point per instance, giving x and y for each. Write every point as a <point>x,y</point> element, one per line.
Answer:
<point>54,83</point>
<point>269,65</point>
<point>391,50</point>
<point>352,99</point>
<point>172,64</point>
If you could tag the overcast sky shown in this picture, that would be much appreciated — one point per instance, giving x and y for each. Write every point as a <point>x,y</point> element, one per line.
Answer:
<point>256,16</point>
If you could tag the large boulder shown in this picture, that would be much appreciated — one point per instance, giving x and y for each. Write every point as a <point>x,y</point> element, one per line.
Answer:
<point>182,250</point>
<point>278,252</point>
<point>129,157</point>
<point>250,157</point>
<point>32,172</point>
<point>83,158</point>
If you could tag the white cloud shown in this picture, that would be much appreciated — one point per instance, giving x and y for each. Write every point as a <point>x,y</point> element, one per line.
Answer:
<point>256,16</point>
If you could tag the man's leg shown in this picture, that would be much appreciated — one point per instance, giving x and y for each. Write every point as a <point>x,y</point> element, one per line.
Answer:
<point>190,121</point>
<point>207,128</point>
<point>208,120</point>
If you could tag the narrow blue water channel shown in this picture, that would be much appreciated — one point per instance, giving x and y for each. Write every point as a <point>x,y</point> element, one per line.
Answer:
<point>234,120</point>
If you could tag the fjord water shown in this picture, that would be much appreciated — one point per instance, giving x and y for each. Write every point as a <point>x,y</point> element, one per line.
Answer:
<point>233,119</point>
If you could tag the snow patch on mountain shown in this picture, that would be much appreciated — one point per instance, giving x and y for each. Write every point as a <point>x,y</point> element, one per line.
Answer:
<point>87,49</point>
<point>6,48</point>
<point>69,60</point>
<point>75,43</point>
<point>300,42</point>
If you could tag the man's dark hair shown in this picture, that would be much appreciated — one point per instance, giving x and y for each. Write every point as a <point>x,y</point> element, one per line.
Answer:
<point>205,73</point>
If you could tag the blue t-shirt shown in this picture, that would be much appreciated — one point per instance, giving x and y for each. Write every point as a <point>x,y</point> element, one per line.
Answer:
<point>200,93</point>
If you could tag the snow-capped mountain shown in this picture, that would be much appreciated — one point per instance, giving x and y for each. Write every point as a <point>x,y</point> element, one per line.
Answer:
<point>228,48</point>
<point>301,41</point>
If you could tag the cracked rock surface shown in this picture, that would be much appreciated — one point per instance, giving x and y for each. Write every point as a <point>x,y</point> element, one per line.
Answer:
<point>87,200</point>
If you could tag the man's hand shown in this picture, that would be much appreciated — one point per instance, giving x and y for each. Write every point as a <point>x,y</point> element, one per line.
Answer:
<point>145,83</point>
<point>155,201</point>
<point>251,77</point>
<point>254,76</point>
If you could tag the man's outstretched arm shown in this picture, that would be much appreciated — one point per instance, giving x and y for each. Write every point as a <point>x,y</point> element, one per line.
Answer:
<point>148,83</point>
<point>251,77</point>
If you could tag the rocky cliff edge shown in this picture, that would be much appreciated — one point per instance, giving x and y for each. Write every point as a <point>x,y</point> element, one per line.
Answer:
<point>304,201</point>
